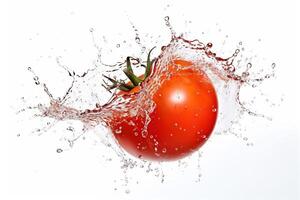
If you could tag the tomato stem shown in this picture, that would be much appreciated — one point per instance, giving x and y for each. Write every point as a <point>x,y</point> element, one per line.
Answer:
<point>117,84</point>
<point>128,71</point>
<point>133,78</point>
<point>149,64</point>
<point>128,65</point>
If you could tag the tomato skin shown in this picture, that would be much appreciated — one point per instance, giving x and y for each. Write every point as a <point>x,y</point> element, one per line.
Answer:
<point>183,119</point>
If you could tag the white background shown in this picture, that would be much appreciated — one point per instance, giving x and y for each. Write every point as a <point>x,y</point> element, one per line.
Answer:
<point>230,169</point>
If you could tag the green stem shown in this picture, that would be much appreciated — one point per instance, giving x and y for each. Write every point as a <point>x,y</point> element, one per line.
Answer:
<point>133,78</point>
<point>149,64</point>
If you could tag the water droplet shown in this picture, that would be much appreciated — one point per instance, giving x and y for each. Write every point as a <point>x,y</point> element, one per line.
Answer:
<point>59,150</point>
<point>245,74</point>
<point>273,65</point>
<point>175,124</point>
<point>36,80</point>
<point>237,51</point>
<point>214,110</point>
<point>164,150</point>
<point>118,131</point>
<point>209,45</point>
<point>118,45</point>
<point>92,30</point>
<point>70,128</point>
<point>127,191</point>
<point>137,40</point>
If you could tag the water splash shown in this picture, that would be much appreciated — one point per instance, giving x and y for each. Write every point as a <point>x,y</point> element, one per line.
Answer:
<point>228,79</point>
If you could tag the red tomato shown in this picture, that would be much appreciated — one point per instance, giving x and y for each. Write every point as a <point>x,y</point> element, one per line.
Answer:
<point>183,119</point>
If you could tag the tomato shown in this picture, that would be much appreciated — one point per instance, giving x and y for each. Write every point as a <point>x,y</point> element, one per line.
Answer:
<point>181,122</point>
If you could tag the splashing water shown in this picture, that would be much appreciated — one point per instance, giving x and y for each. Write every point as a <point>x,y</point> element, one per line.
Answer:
<point>228,80</point>
<point>220,70</point>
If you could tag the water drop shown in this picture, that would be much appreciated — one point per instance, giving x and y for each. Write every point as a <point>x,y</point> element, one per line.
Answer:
<point>237,51</point>
<point>70,128</point>
<point>127,191</point>
<point>273,65</point>
<point>36,80</point>
<point>118,131</point>
<point>209,45</point>
<point>245,74</point>
<point>59,150</point>
<point>137,40</point>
